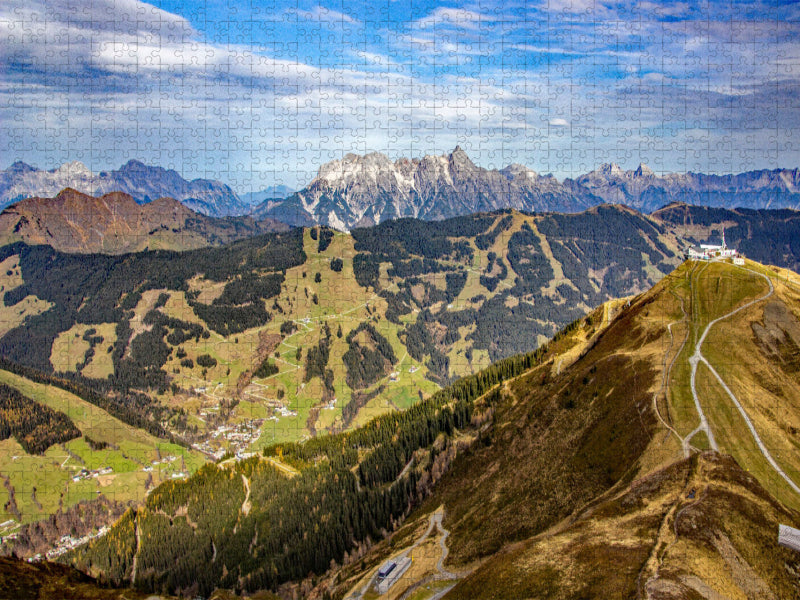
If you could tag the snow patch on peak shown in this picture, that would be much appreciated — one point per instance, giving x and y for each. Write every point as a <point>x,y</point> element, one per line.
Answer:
<point>517,170</point>
<point>73,169</point>
<point>353,167</point>
<point>609,169</point>
<point>644,171</point>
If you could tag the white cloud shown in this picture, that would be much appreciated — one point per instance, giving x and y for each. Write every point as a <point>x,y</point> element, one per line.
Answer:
<point>111,77</point>
<point>546,50</point>
<point>574,7</point>
<point>320,14</point>
<point>456,17</point>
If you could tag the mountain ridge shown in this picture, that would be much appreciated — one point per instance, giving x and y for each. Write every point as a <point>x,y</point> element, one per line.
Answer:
<point>115,223</point>
<point>567,497</point>
<point>142,182</point>
<point>361,190</point>
<point>358,190</point>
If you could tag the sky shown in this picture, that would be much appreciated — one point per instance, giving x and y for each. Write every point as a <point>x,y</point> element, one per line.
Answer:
<point>259,93</point>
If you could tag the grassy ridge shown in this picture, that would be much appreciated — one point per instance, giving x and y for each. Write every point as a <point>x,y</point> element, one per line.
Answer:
<point>578,490</point>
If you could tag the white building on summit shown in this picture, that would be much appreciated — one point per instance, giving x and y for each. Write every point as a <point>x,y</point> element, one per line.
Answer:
<point>709,251</point>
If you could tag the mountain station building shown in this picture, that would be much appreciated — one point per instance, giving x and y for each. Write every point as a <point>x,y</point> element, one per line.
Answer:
<point>711,251</point>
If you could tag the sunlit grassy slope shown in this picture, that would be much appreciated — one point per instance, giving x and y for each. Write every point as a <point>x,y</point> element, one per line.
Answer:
<point>129,451</point>
<point>580,487</point>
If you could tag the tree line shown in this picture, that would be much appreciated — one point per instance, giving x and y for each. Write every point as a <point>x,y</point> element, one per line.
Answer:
<point>35,426</point>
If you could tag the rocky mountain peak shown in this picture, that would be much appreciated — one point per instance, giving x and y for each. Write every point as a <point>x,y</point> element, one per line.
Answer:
<point>134,165</point>
<point>19,167</point>
<point>352,168</point>
<point>517,170</point>
<point>460,159</point>
<point>73,169</point>
<point>609,169</point>
<point>643,171</point>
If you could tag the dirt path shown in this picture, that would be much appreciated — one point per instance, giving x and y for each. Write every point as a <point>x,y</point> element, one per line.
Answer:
<point>287,470</point>
<point>442,573</point>
<point>246,504</point>
<point>435,521</point>
<point>667,369</point>
<point>138,545</point>
<point>698,358</point>
<point>438,516</point>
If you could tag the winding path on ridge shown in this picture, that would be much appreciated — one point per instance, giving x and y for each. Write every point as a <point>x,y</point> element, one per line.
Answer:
<point>668,369</point>
<point>697,358</point>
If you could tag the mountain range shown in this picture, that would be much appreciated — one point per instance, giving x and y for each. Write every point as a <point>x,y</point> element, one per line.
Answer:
<point>115,224</point>
<point>142,182</point>
<point>364,190</point>
<point>359,191</point>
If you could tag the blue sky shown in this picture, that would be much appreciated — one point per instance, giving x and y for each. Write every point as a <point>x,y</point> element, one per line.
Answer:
<point>260,93</point>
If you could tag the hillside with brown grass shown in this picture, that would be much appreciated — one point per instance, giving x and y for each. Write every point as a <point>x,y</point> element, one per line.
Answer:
<point>115,224</point>
<point>594,479</point>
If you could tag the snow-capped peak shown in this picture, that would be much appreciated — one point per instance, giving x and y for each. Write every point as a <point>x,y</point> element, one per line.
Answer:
<point>353,167</point>
<point>517,170</point>
<point>609,169</point>
<point>73,169</point>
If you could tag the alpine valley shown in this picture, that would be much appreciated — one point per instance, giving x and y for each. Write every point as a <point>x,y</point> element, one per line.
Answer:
<point>524,404</point>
